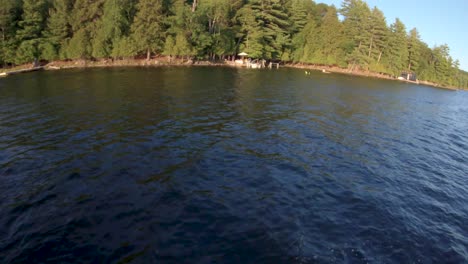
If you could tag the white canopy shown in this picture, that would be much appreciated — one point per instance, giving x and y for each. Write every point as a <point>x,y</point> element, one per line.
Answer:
<point>243,54</point>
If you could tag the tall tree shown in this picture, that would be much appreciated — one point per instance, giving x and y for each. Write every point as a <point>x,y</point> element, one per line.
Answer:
<point>85,24</point>
<point>378,36</point>
<point>114,25</point>
<point>9,16</point>
<point>298,15</point>
<point>58,29</point>
<point>357,28</point>
<point>265,25</point>
<point>414,44</point>
<point>397,48</point>
<point>148,28</point>
<point>330,33</point>
<point>30,33</point>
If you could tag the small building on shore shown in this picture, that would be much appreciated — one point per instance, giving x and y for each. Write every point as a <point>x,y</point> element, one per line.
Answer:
<point>409,76</point>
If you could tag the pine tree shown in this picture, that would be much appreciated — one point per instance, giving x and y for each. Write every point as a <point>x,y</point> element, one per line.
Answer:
<point>30,33</point>
<point>357,25</point>
<point>397,48</point>
<point>307,44</point>
<point>147,28</point>
<point>114,25</point>
<point>58,29</point>
<point>252,34</point>
<point>265,27</point>
<point>330,36</point>
<point>298,15</point>
<point>378,37</point>
<point>9,16</point>
<point>124,48</point>
<point>413,49</point>
<point>84,21</point>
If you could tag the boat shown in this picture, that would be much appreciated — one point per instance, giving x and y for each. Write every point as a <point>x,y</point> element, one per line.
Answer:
<point>3,74</point>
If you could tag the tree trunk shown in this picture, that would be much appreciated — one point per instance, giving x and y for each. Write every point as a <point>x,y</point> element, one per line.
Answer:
<point>380,56</point>
<point>370,46</point>
<point>194,5</point>
<point>148,54</point>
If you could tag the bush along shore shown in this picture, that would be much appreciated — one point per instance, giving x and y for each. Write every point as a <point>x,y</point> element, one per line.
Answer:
<point>301,32</point>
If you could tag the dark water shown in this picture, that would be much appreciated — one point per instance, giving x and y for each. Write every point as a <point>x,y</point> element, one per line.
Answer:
<point>218,165</point>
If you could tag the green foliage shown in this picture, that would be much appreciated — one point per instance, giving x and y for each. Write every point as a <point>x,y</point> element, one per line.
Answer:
<point>84,21</point>
<point>414,46</point>
<point>27,52</point>
<point>29,34</point>
<point>182,46</point>
<point>124,48</point>
<point>79,46</point>
<point>113,26</point>
<point>264,29</point>
<point>397,55</point>
<point>48,51</point>
<point>147,28</point>
<point>9,16</point>
<point>299,31</point>
<point>58,30</point>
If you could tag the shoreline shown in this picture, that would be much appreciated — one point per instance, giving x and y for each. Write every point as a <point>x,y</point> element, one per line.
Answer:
<point>338,70</point>
<point>166,62</point>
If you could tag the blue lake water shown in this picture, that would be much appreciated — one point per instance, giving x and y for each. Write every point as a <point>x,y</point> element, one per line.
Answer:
<point>221,165</point>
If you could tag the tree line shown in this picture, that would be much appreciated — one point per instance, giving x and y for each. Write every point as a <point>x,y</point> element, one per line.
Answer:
<point>296,31</point>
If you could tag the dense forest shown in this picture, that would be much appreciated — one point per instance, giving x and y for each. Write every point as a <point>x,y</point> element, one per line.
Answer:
<point>294,31</point>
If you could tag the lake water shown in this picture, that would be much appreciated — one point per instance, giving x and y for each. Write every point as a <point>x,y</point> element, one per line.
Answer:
<point>221,165</point>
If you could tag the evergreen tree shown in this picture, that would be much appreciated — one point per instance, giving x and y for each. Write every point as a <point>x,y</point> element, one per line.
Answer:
<point>397,48</point>
<point>85,23</point>
<point>9,16</point>
<point>306,44</point>
<point>30,33</point>
<point>265,26</point>
<point>330,35</point>
<point>147,28</point>
<point>114,25</point>
<point>413,49</point>
<point>298,15</point>
<point>357,29</point>
<point>378,37</point>
<point>124,48</point>
<point>251,33</point>
<point>58,30</point>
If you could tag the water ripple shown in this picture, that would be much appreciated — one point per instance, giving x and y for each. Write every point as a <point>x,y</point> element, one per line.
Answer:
<point>224,165</point>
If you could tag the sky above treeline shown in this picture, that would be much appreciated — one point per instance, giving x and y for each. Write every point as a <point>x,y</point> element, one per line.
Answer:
<point>438,22</point>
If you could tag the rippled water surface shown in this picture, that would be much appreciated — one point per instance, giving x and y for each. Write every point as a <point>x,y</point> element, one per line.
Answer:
<point>219,165</point>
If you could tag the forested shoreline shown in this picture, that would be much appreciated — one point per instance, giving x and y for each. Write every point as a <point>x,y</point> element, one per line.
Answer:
<point>291,31</point>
